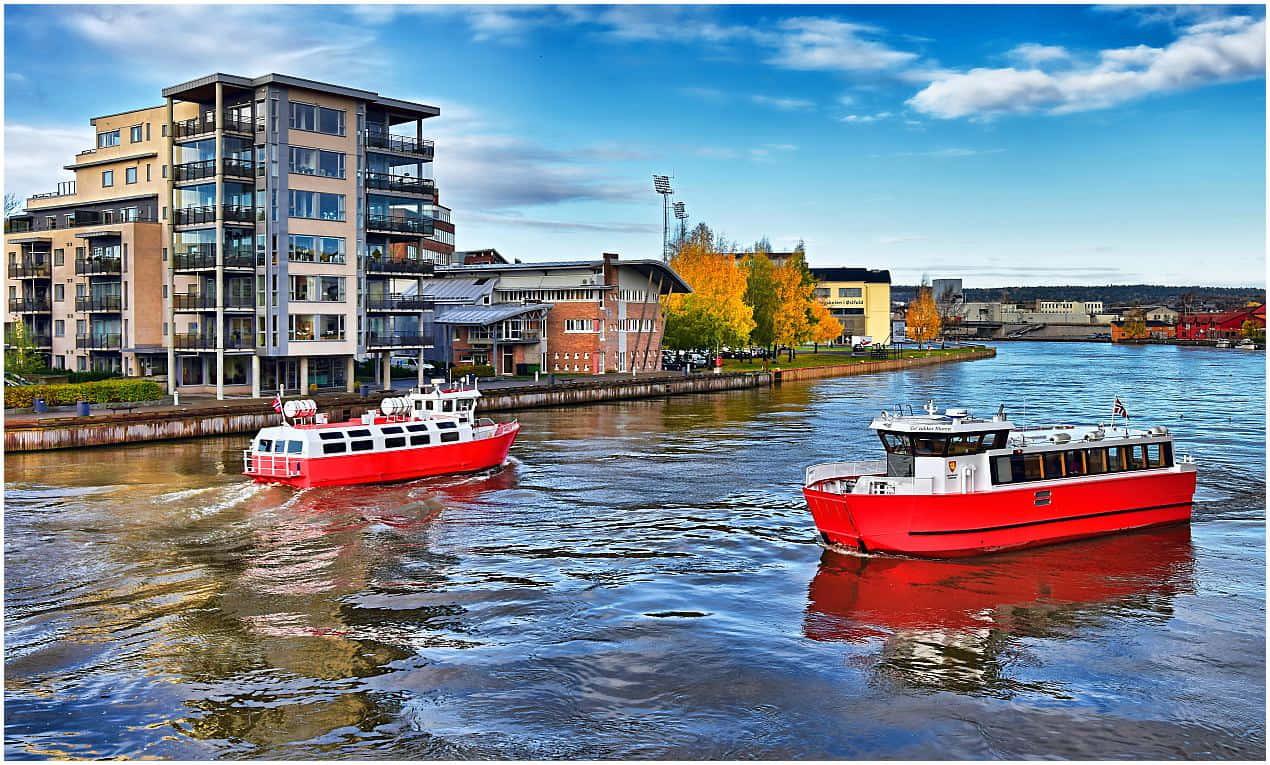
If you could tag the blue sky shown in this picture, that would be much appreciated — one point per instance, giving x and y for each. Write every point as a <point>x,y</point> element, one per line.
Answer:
<point>1003,145</point>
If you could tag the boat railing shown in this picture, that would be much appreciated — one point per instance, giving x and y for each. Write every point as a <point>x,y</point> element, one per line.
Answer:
<point>828,470</point>
<point>894,485</point>
<point>279,466</point>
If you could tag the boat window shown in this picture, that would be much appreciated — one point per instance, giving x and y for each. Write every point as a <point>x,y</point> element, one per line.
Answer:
<point>418,440</point>
<point>418,405</point>
<point>295,447</point>
<point>396,442</point>
<point>1028,466</point>
<point>420,428</point>
<point>334,448</point>
<point>894,443</point>
<point>1155,455</point>
<point>265,445</point>
<point>1167,450</point>
<point>447,406</point>
<point>1052,465</point>
<point>278,446</point>
<point>329,435</point>
<point>393,429</point>
<point>359,433</point>
<point>967,443</point>
<point>1074,460</point>
<point>449,437</point>
<point>1115,459</point>
<point>1137,457</point>
<point>1096,461</point>
<point>1001,469</point>
<point>996,439</point>
<point>447,425</point>
<point>929,446</point>
<point>363,446</point>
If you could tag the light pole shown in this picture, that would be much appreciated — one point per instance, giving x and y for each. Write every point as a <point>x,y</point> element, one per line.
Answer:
<point>682,215</point>
<point>661,184</point>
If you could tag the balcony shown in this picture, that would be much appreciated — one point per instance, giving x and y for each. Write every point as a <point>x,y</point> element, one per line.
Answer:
<point>18,225</point>
<point>33,339</point>
<point>194,171</point>
<point>191,128</point>
<point>193,216</point>
<point>399,144</point>
<point>99,303</point>
<point>234,124</point>
<point>202,257</point>
<point>38,304</point>
<point>406,184</point>
<point>374,340</point>
<point>98,266</point>
<point>395,225</point>
<point>387,266</point>
<point>99,342</point>
<point>238,168</point>
<point>191,303</point>
<point>396,303</point>
<point>240,257</point>
<point>31,270</point>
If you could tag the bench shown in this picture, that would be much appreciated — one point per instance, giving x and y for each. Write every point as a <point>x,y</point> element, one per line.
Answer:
<point>120,407</point>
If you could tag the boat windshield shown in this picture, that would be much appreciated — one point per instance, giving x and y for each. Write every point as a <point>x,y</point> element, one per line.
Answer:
<point>940,445</point>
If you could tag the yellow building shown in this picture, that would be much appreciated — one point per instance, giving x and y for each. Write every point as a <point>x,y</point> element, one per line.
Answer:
<point>859,298</point>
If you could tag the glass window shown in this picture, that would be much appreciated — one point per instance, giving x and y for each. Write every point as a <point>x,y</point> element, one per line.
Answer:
<point>395,442</point>
<point>1026,465</point>
<point>1095,461</point>
<point>134,134</point>
<point>295,447</point>
<point>1155,455</point>
<point>130,175</point>
<point>1074,461</point>
<point>1115,459</point>
<point>1052,465</point>
<point>1136,459</point>
<point>330,121</point>
<point>312,204</point>
<point>108,139</point>
<point>363,446</point>
<point>930,446</point>
<point>894,443</point>
<point>107,178</point>
<point>303,116</point>
<point>968,443</point>
<point>59,293</point>
<point>850,292</point>
<point>317,119</point>
<point>265,445</point>
<point>334,448</point>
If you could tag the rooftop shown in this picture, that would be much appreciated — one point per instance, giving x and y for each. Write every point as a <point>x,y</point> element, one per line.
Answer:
<point>484,315</point>
<point>656,268</point>
<point>869,275</point>
<point>203,89</point>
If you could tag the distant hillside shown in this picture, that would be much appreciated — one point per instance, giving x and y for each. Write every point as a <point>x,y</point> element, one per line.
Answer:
<point>1112,294</point>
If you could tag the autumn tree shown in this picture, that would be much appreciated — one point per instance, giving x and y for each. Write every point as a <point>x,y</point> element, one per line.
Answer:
<point>825,327</point>
<point>1135,325</point>
<point>790,323</point>
<point>1253,331</point>
<point>715,313</point>
<point>922,320</point>
<point>760,295</point>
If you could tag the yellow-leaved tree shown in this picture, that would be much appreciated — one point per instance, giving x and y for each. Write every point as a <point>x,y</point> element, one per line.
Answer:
<point>715,313</point>
<point>790,325</point>
<point>825,328</point>
<point>922,320</point>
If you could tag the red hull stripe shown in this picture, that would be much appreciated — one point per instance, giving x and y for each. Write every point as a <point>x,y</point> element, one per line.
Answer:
<point>1048,520</point>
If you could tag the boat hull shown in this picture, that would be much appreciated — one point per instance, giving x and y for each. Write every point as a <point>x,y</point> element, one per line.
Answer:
<point>958,525</point>
<point>398,465</point>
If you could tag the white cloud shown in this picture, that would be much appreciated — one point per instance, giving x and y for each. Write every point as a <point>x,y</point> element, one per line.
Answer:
<point>765,151</point>
<point>783,104</point>
<point>563,227</point>
<point>34,155</point>
<point>1034,53</point>
<point>951,152</point>
<point>832,45</point>
<point>864,119</point>
<point>1229,50</point>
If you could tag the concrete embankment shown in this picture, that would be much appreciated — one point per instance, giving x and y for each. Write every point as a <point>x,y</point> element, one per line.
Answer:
<point>25,434</point>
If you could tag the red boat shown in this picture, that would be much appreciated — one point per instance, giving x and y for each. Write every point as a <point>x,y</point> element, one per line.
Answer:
<point>432,431</point>
<point>953,485</point>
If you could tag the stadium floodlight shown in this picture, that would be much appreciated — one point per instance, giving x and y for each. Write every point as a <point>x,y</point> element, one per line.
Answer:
<point>680,212</point>
<point>662,184</point>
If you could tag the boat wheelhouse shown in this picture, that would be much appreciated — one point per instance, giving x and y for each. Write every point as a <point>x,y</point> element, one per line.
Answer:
<point>431,431</point>
<point>953,485</point>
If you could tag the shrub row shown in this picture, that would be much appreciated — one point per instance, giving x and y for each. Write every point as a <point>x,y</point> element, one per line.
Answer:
<point>480,370</point>
<point>101,392</point>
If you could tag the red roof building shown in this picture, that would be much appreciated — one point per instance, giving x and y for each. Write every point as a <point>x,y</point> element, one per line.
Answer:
<point>1215,326</point>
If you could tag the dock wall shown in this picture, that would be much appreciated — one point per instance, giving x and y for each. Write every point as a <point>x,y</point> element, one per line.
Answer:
<point>869,367</point>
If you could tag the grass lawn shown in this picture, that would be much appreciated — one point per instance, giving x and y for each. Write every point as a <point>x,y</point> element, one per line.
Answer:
<point>808,359</point>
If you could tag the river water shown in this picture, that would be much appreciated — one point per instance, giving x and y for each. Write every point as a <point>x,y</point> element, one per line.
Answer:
<point>643,581</point>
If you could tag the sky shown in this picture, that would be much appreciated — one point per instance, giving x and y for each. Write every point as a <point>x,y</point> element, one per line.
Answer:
<point>1005,145</point>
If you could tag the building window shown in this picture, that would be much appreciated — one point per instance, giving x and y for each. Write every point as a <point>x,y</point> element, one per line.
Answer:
<point>81,364</point>
<point>59,293</point>
<point>315,249</point>
<point>147,171</point>
<point>328,164</point>
<point>313,204</point>
<point>134,134</point>
<point>107,178</point>
<point>315,327</point>
<point>59,327</point>
<point>317,119</point>
<point>165,329</point>
<point>324,289</point>
<point>850,292</point>
<point>59,257</point>
<point>108,139</point>
<point>581,325</point>
<point>130,175</point>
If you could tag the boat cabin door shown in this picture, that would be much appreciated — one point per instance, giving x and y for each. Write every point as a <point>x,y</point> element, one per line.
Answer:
<point>899,455</point>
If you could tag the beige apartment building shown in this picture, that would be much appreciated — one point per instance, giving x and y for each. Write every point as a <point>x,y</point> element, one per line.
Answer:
<point>246,235</point>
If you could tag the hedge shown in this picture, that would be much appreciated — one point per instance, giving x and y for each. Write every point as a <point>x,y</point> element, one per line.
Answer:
<point>102,392</point>
<point>480,370</point>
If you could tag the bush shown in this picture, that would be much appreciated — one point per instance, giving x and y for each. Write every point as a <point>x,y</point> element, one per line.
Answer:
<point>101,392</point>
<point>480,370</point>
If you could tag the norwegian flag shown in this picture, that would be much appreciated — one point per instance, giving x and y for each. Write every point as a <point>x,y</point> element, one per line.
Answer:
<point>277,404</point>
<point>1120,411</point>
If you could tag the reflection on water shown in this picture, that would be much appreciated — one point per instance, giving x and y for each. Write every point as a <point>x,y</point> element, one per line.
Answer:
<point>641,581</point>
<point>953,625</point>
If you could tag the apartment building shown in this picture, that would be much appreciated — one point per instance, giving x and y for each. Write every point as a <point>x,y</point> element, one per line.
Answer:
<point>585,317</point>
<point>246,235</point>
<point>859,298</point>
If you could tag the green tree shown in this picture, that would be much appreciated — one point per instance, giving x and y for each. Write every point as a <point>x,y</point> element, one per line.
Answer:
<point>20,354</point>
<point>715,313</point>
<point>760,295</point>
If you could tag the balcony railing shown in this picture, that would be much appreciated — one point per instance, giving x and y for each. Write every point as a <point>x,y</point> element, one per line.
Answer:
<point>239,257</point>
<point>193,171</point>
<point>200,257</point>
<point>414,226</point>
<point>30,304</point>
<point>105,342</point>
<point>377,139</point>
<point>30,270</point>
<point>402,183</point>
<point>106,303</point>
<point>194,302</point>
<point>19,226</point>
<point>33,339</point>
<point>375,340</point>
<point>237,125</point>
<point>397,303</point>
<point>388,266</point>
<point>190,216</point>
<point>239,168</point>
<point>192,127</point>
<point>110,266</point>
